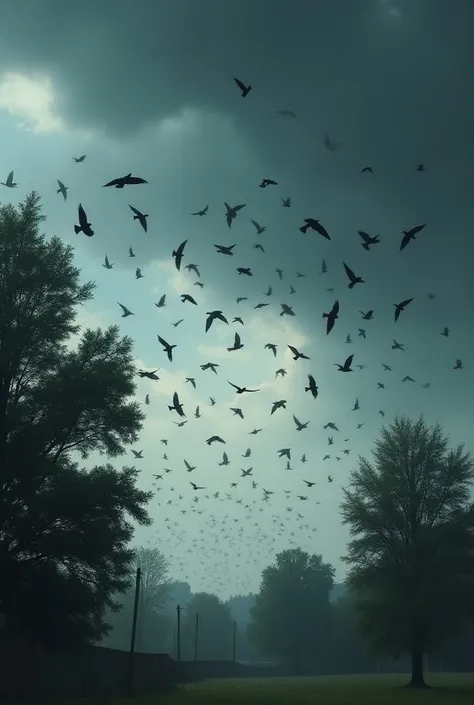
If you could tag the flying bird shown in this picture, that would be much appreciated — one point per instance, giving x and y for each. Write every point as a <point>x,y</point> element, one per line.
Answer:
<point>346,367</point>
<point>311,223</point>
<point>178,255</point>
<point>167,348</point>
<point>107,264</point>
<point>353,279</point>
<point>332,317</point>
<point>224,250</point>
<point>267,182</point>
<point>127,180</point>
<point>237,343</point>
<point>312,387</point>
<point>401,307</point>
<point>241,390</point>
<point>410,235</point>
<point>79,159</point>
<point>141,217</point>
<point>162,302</point>
<point>84,226</point>
<point>231,212</point>
<point>329,144</point>
<point>285,113</point>
<point>62,189</point>
<point>367,240</point>
<point>286,202</point>
<point>245,90</point>
<point>177,406</point>
<point>297,354</point>
<point>203,212</point>
<point>9,182</point>
<point>215,315</point>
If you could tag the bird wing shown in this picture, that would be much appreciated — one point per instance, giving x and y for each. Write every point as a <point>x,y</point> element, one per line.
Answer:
<point>349,272</point>
<point>240,84</point>
<point>348,362</point>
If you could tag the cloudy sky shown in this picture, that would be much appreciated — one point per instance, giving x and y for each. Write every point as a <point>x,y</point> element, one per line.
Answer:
<point>147,88</point>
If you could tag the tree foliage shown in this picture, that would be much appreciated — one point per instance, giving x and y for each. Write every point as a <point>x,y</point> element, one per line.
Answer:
<point>411,553</point>
<point>215,629</point>
<point>64,531</point>
<point>292,613</point>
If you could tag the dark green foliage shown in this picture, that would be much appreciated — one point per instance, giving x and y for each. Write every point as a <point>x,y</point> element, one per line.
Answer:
<point>64,531</point>
<point>215,632</point>
<point>292,613</point>
<point>411,555</point>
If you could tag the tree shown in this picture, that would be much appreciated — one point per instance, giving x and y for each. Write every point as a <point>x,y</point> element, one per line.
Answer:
<point>411,554</point>
<point>64,531</point>
<point>292,611</point>
<point>215,628</point>
<point>153,626</point>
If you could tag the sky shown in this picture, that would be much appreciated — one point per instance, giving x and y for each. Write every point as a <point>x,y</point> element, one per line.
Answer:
<point>148,88</point>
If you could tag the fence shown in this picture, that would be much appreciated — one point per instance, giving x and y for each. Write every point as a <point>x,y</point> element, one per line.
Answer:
<point>28,670</point>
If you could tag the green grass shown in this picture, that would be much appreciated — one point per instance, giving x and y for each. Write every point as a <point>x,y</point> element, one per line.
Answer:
<point>447,689</point>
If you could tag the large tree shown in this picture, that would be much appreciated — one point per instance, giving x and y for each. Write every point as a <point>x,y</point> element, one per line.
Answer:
<point>64,530</point>
<point>153,624</point>
<point>292,613</point>
<point>214,630</point>
<point>411,554</point>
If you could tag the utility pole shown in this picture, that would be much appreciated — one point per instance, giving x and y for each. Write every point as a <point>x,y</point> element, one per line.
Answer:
<point>234,640</point>
<point>196,633</point>
<point>178,635</point>
<point>134,632</point>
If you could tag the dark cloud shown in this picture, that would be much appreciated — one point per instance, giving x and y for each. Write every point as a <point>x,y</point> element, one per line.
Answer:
<point>396,90</point>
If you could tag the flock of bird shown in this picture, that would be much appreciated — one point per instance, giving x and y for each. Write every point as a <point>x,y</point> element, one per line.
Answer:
<point>239,539</point>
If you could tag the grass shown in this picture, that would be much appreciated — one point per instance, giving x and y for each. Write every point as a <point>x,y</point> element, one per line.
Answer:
<point>447,689</point>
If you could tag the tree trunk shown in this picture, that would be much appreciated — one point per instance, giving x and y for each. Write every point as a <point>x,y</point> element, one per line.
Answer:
<point>417,679</point>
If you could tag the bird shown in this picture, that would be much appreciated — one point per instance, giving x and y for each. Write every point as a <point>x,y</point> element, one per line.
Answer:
<point>324,268</point>
<point>137,453</point>
<point>420,167</point>
<point>79,159</point>
<point>241,390</point>
<point>130,252</point>
<point>149,375</point>
<point>286,202</point>
<point>237,343</point>
<point>141,217</point>
<point>332,317</point>
<point>445,332</point>
<point>245,90</point>
<point>368,315</point>
<point>356,406</point>
<point>187,297</point>
<point>138,273</point>
<point>224,250</point>
<point>401,307</point>
<point>259,228</point>
<point>297,354</point>
<point>9,182</point>
<point>410,235</point>
<point>286,310</point>
<point>201,212</point>
<point>178,255</point>
<point>311,223</point>
<point>176,406</point>
<point>231,212</point>
<point>312,387</point>
<point>62,189</point>
<point>367,240</point>
<point>308,483</point>
<point>398,346</point>
<point>286,113</point>
<point>281,404</point>
<point>346,367</point>
<point>127,180</point>
<point>300,426</point>
<point>167,348</point>
<point>188,466</point>
<point>215,315</point>
<point>107,264</point>
<point>268,182</point>
<point>458,365</point>
<point>84,226</point>
<point>196,487</point>
<point>329,144</point>
<point>353,279</point>
<point>162,302</point>
<point>272,347</point>
<point>367,168</point>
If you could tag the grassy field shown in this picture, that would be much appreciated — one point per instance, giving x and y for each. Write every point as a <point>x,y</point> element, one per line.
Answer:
<point>447,689</point>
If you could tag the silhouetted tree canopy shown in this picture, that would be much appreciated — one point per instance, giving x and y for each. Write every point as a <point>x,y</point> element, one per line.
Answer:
<point>292,613</point>
<point>215,631</point>
<point>411,554</point>
<point>64,530</point>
